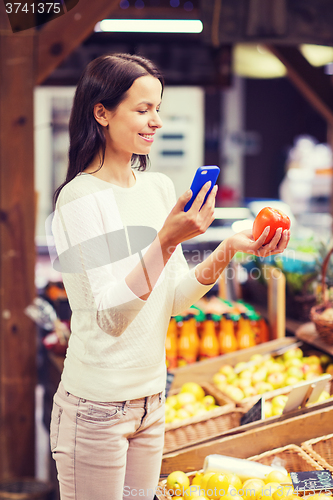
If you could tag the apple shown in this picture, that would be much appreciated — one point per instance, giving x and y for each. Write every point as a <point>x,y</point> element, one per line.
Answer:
<point>310,375</point>
<point>292,380</point>
<point>276,410</point>
<point>316,369</point>
<point>262,387</point>
<point>268,409</point>
<point>275,367</point>
<point>256,357</point>
<point>259,375</point>
<point>329,369</point>
<point>325,359</point>
<point>323,397</point>
<point>279,401</point>
<point>244,382</point>
<point>226,369</point>
<point>293,362</point>
<point>249,391</point>
<point>241,366</point>
<point>246,374</point>
<point>219,378</point>
<point>293,371</point>
<point>293,353</point>
<point>277,379</point>
<point>313,360</point>
<point>234,393</point>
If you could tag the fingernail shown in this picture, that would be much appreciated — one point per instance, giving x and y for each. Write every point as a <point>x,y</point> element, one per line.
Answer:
<point>267,229</point>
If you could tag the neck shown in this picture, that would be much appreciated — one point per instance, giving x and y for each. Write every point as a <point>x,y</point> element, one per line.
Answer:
<point>116,170</point>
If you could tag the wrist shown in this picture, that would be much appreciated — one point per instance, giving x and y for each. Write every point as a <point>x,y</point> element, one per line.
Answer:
<point>166,242</point>
<point>229,245</point>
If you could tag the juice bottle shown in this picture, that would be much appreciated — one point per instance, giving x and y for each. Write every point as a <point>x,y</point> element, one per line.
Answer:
<point>187,352</point>
<point>171,345</point>
<point>254,320</point>
<point>209,345</point>
<point>245,334</point>
<point>227,338</point>
<point>193,334</point>
<point>263,330</point>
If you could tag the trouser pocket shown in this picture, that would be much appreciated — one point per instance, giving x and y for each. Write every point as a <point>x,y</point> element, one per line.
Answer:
<point>55,425</point>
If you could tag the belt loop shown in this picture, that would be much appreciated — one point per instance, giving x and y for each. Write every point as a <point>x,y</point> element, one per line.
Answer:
<point>124,408</point>
<point>160,396</point>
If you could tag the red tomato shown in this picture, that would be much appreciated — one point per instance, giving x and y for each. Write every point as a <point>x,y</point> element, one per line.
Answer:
<point>269,217</point>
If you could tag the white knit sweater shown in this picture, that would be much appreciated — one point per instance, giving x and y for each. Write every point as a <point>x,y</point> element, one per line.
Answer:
<point>116,348</point>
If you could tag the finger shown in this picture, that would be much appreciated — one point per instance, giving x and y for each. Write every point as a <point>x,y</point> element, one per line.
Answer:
<point>275,240</point>
<point>183,199</point>
<point>283,243</point>
<point>261,240</point>
<point>210,203</point>
<point>200,197</point>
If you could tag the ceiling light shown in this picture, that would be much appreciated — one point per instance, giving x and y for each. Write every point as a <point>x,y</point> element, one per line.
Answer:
<point>255,61</point>
<point>317,55</point>
<point>150,26</point>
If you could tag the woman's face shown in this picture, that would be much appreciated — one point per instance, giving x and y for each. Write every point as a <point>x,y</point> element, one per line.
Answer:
<point>133,125</point>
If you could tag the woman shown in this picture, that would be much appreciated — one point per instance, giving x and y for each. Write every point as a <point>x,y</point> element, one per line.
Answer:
<point>117,233</point>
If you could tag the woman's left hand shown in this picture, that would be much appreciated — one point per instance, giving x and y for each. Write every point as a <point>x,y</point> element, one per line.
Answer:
<point>244,242</point>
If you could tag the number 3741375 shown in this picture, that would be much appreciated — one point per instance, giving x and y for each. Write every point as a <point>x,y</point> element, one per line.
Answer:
<point>33,7</point>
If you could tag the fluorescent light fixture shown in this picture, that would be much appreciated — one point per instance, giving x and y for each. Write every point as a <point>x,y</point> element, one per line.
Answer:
<point>150,26</point>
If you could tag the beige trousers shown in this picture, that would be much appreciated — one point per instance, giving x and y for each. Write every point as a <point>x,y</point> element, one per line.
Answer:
<point>107,451</point>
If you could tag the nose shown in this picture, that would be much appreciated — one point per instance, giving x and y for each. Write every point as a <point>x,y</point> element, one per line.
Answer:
<point>156,121</point>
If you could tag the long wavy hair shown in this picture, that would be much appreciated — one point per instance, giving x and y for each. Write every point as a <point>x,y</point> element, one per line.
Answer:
<point>105,80</point>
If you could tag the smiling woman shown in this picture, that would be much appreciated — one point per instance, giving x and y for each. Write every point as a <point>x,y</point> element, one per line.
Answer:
<point>117,233</point>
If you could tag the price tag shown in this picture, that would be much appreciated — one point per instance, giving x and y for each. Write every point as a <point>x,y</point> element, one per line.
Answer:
<point>315,480</point>
<point>255,413</point>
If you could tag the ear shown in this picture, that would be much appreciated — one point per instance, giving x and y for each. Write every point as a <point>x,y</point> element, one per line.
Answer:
<point>101,114</point>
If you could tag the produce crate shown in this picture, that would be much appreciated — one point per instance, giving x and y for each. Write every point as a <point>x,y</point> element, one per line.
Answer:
<point>196,428</point>
<point>203,371</point>
<point>256,438</point>
<point>291,457</point>
<point>191,431</point>
<point>321,450</point>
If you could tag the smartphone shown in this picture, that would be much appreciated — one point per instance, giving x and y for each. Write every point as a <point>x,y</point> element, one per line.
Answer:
<point>202,175</point>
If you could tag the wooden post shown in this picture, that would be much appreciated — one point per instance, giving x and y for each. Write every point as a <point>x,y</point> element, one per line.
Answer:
<point>276,305</point>
<point>17,252</point>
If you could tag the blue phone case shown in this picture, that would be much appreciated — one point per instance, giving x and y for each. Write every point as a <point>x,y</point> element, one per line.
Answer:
<point>202,175</point>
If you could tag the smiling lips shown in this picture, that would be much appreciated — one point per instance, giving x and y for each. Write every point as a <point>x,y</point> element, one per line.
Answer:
<point>147,137</point>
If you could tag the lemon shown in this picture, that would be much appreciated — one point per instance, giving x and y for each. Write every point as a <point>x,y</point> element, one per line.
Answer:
<point>193,388</point>
<point>276,476</point>
<point>177,480</point>
<point>193,492</point>
<point>197,478</point>
<point>205,479</point>
<point>217,486</point>
<point>253,489</point>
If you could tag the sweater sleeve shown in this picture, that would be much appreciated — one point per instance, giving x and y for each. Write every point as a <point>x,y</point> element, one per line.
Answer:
<point>187,288</point>
<point>92,250</point>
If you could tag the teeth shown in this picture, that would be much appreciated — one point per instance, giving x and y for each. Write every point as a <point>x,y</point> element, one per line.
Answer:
<point>146,136</point>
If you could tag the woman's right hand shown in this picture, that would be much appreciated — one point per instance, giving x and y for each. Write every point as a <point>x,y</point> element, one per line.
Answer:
<point>180,226</point>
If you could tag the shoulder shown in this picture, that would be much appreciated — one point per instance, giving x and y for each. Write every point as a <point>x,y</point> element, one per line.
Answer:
<point>161,181</point>
<point>82,185</point>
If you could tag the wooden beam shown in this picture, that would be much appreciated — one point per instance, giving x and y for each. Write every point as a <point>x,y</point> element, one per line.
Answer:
<point>310,81</point>
<point>17,252</point>
<point>58,38</point>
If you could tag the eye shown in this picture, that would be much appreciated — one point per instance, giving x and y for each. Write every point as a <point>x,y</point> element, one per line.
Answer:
<point>142,112</point>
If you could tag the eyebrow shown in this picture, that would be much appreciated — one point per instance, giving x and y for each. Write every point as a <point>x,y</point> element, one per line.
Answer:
<point>149,103</point>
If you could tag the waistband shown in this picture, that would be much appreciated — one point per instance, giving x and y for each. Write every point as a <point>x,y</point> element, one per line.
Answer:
<point>140,402</point>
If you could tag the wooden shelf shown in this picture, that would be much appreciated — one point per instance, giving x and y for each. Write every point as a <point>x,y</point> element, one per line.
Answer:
<point>307,332</point>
